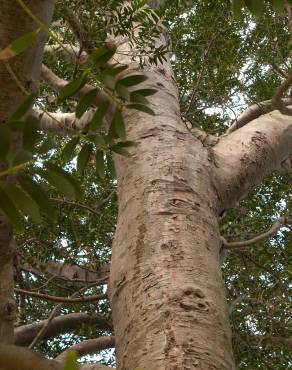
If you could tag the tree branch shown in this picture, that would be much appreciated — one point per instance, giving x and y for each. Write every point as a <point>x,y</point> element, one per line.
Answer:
<point>243,158</point>
<point>71,273</point>
<point>87,347</point>
<point>252,112</point>
<point>282,221</point>
<point>19,358</point>
<point>89,298</point>
<point>277,101</point>
<point>59,325</point>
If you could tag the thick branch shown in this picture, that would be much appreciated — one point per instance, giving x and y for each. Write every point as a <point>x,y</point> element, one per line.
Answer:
<point>88,347</point>
<point>252,112</point>
<point>19,358</point>
<point>62,123</point>
<point>89,298</point>
<point>59,325</point>
<point>246,156</point>
<point>71,273</point>
<point>282,221</point>
<point>277,101</point>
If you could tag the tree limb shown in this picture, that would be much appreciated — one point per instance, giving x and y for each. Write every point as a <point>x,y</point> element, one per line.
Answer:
<point>89,298</point>
<point>252,112</point>
<point>243,158</point>
<point>87,347</point>
<point>70,273</point>
<point>19,358</point>
<point>277,101</point>
<point>61,324</point>
<point>282,221</point>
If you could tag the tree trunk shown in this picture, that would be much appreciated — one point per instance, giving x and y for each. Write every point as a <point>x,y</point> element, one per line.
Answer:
<point>166,289</point>
<point>26,67</point>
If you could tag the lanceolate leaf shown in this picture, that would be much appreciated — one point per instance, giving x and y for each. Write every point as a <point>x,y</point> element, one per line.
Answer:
<point>23,108</point>
<point>30,134</point>
<point>73,87</point>
<point>96,120</point>
<point>38,194</point>
<point>102,55</point>
<point>237,6</point>
<point>145,92</point>
<point>58,180</point>
<point>22,201</point>
<point>142,108</point>
<point>137,98</point>
<point>85,102</point>
<point>99,162</point>
<point>68,151</point>
<point>72,182</point>
<point>255,6</point>
<point>8,208</point>
<point>119,124</point>
<point>132,80</point>
<point>279,5</point>
<point>21,156</point>
<point>83,157</point>
<point>4,142</point>
<point>19,45</point>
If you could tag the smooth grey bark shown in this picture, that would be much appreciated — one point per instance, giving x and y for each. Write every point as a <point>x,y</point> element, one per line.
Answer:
<point>27,69</point>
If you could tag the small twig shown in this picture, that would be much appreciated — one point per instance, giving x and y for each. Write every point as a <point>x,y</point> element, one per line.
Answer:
<point>282,221</point>
<point>278,70</point>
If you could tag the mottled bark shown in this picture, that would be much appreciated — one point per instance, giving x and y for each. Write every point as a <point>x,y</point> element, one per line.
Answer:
<point>27,69</point>
<point>166,289</point>
<point>59,325</point>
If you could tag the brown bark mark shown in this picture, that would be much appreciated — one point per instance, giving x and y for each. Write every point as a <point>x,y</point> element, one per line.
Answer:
<point>27,69</point>
<point>247,155</point>
<point>166,289</point>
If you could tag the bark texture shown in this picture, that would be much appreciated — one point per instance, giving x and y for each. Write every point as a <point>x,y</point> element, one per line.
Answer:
<point>25,334</point>
<point>27,69</point>
<point>166,289</point>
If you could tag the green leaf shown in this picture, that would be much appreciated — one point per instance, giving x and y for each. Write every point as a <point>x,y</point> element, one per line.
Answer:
<point>98,116</point>
<point>237,5</point>
<point>120,150</point>
<point>21,156</point>
<point>30,134</point>
<point>72,182</point>
<point>8,208</point>
<point>279,6</point>
<point>132,80</point>
<point>68,151</point>
<point>83,157</point>
<point>137,98</point>
<point>71,362</point>
<point>119,124</point>
<point>85,102</point>
<point>46,146</point>
<point>24,202</point>
<point>23,108</point>
<point>99,163</point>
<point>38,194</point>
<point>58,180</point>
<point>115,69</point>
<point>98,140</point>
<point>19,45</point>
<point>4,142</point>
<point>145,92</point>
<point>123,92</point>
<point>73,87</point>
<point>142,108</point>
<point>255,6</point>
<point>102,55</point>
<point>108,80</point>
